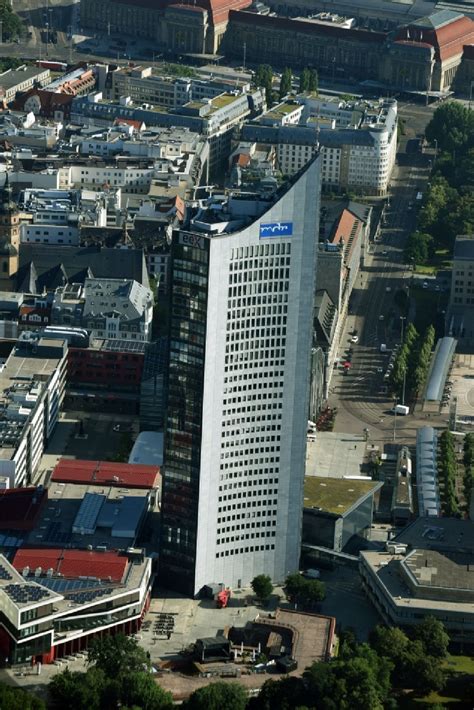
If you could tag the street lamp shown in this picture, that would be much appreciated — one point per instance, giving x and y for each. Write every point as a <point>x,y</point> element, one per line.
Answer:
<point>404,384</point>
<point>395,402</point>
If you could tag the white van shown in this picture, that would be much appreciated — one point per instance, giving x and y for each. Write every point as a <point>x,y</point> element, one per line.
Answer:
<point>401,409</point>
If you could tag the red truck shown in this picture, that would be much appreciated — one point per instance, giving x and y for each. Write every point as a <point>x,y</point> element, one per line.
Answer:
<point>222,598</point>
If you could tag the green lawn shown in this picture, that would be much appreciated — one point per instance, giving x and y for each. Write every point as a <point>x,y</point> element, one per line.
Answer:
<point>442,259</point>
<point>459,664</point>
<point>460,671</point>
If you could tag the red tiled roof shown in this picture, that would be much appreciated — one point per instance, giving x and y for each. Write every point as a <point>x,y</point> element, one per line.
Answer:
<point>20,507</point>
<point>218,9</point>
<point>409,43</point>
<point>130,475</point>
<point>189,8</point>
<point>128,122</point>
<point>448,41</point>
<point>73,563</point>
<point>344,227</point>
<point>241,159</point>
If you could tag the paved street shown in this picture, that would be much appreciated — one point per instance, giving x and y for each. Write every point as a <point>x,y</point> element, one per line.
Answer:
<point>359,395</point>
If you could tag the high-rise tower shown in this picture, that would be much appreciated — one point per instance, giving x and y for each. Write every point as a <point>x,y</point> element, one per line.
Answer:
<point>241,321</point>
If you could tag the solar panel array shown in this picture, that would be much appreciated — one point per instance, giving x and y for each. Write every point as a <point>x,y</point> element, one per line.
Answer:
<point>56,535</point>
<point>65,586</point>
<point>83,597</point>
<point>127,346</point>
<point>4,573</point>
<point>10,541</point>
<point>21,594</point>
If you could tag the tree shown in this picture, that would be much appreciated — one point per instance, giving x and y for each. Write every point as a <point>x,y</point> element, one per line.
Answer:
<point>452,126</point>
<point>286,82</point>
<point>18,699</point>
<point>217,696</point>
<point>419,247</point>
<point>389,642</point>
<point>313,82</point>
<point>285,694</point>
<point>304,80</point>
<point>411,334</point>
<point>433,636</point>
<point>299,589</point>
<point>360,682</point>
<point>141,690</point>
<point>78,691</point>
<point>264,79</point>
<point>115,655</point>
<point>314,591</point>
<point>94,690</point>
<point>12,26</point>
<point>294,585</point>
<point>420,671</point>
<point>262,586</point>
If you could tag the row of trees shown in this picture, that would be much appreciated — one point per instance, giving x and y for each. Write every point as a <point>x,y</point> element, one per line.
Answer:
<point>264,79</point>
<point>413,360</point>
<point>298,589</point>
<point>447,471</point>
<point>468,460</point>
<point>448,207</point>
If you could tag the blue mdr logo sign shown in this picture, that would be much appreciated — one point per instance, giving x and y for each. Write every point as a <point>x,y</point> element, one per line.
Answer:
<point>276,229</point>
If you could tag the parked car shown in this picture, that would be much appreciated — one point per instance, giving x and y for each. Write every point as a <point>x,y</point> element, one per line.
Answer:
<point>122,427</point>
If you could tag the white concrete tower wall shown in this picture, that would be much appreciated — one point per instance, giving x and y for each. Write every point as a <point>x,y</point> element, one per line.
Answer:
<point>256,391</point>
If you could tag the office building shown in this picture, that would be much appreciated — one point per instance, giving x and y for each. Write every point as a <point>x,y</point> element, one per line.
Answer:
<point>460,316</point>
<point>32,390</point>
<point>241,322</point>
<point>338,512</point>
<point>54,601</point>
<point>426,570</point>
<point>357,140</point>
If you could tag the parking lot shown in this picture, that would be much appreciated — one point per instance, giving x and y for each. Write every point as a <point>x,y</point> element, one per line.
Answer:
<point>84,435</point>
